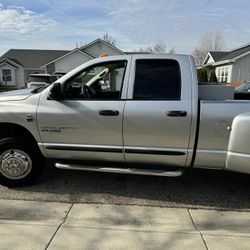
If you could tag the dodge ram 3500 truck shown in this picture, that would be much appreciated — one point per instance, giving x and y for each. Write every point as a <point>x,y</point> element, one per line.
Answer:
<point>136,114</point>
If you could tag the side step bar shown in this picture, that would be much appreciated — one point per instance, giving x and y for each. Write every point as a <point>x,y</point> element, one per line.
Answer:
<point>155,172</point>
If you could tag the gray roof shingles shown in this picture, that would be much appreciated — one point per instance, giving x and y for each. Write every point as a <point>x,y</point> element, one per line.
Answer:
<point>29,58</point>
<point>236,53</point>
<point>217,55</point>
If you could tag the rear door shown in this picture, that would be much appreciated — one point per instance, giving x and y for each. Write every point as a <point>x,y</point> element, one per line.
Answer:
<point>158,112</point>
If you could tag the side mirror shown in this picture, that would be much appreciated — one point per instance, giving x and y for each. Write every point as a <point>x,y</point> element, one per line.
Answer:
<point>56,92</point>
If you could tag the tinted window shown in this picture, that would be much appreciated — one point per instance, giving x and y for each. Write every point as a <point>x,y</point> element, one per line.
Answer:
<point>157,79</point>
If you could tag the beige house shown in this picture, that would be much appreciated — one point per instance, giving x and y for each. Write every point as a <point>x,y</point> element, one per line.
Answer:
<point>78,56</point>
<point>17,64</point>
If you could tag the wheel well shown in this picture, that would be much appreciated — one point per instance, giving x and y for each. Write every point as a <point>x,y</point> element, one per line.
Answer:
<point>10,130</point>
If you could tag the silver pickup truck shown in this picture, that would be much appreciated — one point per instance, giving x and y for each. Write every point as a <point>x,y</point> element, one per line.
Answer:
<point>135,114</point>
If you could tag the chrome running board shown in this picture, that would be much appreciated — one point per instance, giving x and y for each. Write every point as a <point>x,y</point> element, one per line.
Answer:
<point>155,172</point>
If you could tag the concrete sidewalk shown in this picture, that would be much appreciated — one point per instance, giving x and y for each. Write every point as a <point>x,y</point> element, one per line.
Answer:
<point>49,225</point>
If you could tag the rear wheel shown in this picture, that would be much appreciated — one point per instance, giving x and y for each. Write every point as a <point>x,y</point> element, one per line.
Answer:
<point>21,163</point>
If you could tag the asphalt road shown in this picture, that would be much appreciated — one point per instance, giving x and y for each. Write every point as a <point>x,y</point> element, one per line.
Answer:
<point>196,189</point>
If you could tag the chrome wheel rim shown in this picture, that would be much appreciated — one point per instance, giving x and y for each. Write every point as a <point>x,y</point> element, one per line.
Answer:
<point>15,164</point>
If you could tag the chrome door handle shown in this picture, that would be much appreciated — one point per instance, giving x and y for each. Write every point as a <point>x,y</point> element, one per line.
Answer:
<point>177,113</point>
<point>109,112</point>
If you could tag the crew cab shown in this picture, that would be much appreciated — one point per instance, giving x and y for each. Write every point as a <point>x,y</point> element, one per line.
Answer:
<point>135,114</point>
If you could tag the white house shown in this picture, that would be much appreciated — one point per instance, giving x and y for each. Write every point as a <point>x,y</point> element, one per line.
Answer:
<point>17,64</point>
<point>230,67</point>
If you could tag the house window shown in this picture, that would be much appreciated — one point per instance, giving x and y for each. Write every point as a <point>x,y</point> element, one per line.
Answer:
<point>6,74</point>
<point>219,75</point>
<point>226,74</point>
<point>222,74</point>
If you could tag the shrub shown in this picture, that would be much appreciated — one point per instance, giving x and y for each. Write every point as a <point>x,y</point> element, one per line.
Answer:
<point>213,77</point>
<point>202,75</point>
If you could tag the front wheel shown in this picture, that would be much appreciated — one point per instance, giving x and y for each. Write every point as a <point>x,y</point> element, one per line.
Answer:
<point>21,162</point>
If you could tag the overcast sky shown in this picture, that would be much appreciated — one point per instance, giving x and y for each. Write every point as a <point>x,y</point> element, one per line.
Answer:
<point>60,24</point>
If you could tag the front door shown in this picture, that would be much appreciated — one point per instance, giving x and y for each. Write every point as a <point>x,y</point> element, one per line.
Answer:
<point>87,123</point>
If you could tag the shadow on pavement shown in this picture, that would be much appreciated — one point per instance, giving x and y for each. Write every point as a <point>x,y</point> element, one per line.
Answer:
<point>196,188</point>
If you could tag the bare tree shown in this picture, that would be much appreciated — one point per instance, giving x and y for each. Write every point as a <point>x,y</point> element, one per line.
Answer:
<point>80,44</point>
<point>158,48</point>
<point>109,39</point>
<point>211,41</point>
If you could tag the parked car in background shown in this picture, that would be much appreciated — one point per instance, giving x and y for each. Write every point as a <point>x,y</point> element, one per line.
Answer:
<point>244,88</point>
<point>40,80</point>
<point>242,92</point>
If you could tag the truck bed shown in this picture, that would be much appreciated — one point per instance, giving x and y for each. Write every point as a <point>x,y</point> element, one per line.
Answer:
<point>215,131</point>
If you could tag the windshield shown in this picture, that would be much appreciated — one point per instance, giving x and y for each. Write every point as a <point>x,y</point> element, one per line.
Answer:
<point>40,79</point>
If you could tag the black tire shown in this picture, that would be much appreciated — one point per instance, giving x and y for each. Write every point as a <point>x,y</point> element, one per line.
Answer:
<point>17,154</point>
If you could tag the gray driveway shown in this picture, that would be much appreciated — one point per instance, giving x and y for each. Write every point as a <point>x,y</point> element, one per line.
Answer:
<point>196,189</point>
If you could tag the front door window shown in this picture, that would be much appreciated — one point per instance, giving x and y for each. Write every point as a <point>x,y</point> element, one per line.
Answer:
<point>99,82</point>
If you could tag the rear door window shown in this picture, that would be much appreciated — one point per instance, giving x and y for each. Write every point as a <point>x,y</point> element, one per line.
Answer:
<point>157,79</point>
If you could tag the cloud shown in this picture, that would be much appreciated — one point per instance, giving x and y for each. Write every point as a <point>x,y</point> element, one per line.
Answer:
<point>16,20</point>
<point>179,23</point>
<point>133,23</point>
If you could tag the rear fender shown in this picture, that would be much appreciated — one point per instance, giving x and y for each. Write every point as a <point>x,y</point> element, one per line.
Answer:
<point>238,155</point>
